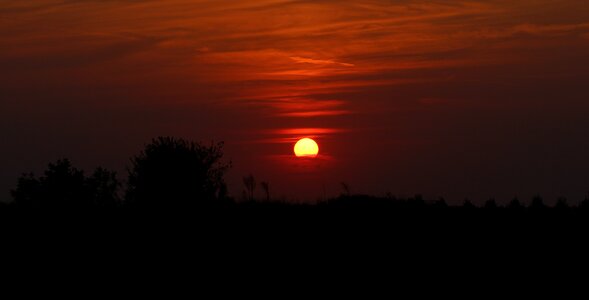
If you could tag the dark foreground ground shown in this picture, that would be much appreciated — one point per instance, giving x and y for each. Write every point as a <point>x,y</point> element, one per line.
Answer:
<point>349,238</point>
<point>360,216</point>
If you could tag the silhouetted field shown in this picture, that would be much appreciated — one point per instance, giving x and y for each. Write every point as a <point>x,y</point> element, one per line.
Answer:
<point>346,219</point>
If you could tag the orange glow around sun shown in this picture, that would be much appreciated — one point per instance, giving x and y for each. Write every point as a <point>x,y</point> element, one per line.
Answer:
<point>306,148</point>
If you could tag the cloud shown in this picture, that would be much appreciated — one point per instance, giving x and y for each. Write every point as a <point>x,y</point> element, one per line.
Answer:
<point>291,135</point>
<point>81,52</point>
<point>539,29</point>
<point>316,113</point>
<point>533,30</point>
<point>319,61</point>
<point>305,131</point>
<point>270,50</point>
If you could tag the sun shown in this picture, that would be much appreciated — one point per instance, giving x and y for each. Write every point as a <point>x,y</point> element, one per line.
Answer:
<point>306,148</point>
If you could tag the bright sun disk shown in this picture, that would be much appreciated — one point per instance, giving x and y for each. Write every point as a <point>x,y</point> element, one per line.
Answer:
<point>306,148</point>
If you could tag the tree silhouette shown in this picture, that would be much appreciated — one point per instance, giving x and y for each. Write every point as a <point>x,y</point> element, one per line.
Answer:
<point>65,187</point>
<point>104,186</point>
<point>28,192</point>
<point>174,173</point>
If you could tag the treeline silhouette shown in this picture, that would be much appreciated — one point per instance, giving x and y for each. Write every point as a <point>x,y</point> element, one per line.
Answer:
<point>169,173</point>
<point>175,176</point>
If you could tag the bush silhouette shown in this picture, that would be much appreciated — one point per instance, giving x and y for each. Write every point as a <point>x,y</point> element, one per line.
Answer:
<point>537,204</point>
<point>172,172</point>
<point>515,205</point>
<point>562,204</point>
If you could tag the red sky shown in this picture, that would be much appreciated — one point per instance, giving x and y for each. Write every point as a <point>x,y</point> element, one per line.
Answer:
<point>445,98</point>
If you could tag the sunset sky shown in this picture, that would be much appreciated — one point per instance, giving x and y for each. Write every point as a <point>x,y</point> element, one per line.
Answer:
<point>448,98</point>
